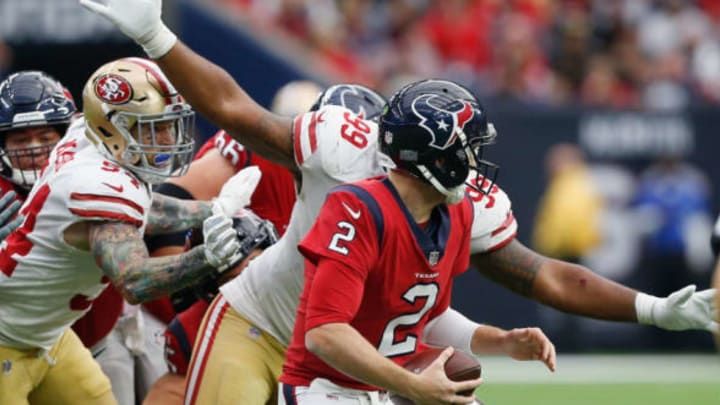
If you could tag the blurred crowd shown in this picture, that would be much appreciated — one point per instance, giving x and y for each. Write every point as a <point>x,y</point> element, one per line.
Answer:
<point>629,54</point>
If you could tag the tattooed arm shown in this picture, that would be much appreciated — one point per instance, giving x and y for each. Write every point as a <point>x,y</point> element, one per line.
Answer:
<point>120,252</point>
<point>565,286</point>
<point>170,214</point>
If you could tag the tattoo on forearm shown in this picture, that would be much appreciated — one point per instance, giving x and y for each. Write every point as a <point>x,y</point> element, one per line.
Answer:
<point>169,214</point>
<point>514,266</point>
<point>120,252</point>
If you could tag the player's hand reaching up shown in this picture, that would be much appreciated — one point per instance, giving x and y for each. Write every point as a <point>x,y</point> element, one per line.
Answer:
<point>432,385</point>
<point>8,207</point>
<point>237,191</point>
<point>138,19</point>
<point>530,344</point>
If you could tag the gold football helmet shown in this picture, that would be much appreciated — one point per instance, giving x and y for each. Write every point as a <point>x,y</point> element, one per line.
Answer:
<point>136,118</point>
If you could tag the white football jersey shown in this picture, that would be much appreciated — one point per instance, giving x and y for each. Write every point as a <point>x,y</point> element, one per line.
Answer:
<point>332,146</point>
<point>45,283</point>
<point>268,290</point>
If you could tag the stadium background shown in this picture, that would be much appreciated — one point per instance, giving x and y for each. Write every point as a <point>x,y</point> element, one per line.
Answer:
<point>632,124</point>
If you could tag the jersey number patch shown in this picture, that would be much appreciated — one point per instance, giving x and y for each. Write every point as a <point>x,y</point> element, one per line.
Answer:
<point>355,130</point>
<point>346,235</point>
<point>388,346</point>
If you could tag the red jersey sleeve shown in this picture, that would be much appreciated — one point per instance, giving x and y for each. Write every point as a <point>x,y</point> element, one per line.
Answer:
<point>229,148</point>
<point>341,249</point>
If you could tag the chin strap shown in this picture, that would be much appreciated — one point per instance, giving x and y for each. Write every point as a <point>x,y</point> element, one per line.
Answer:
<point>452,195</point>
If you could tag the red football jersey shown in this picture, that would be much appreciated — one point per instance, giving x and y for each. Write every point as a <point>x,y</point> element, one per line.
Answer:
<point>389,274</point>
<point>274,196</point>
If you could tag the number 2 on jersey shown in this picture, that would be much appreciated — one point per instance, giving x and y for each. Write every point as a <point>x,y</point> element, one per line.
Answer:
<point>347,234</point>
<point>388,346</point>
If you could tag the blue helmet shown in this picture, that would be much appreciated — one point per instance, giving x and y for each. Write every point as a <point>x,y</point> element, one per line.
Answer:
<point>436,130</point>
<point>32,98</point>
<point>28,99</point>
<point>361,100</point>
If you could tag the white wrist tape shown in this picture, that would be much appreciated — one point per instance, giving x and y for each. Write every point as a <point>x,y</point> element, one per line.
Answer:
<point>158,42</point>
<point>451,328</point>
<point>644,304</point>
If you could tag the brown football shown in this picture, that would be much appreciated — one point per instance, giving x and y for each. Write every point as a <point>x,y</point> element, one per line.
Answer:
<point>459,367</point>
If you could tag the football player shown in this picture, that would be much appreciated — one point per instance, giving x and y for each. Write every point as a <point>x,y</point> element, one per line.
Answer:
<point>495,251</point>
<point>381,262</point>
<point>218,159</point>
<point>35,111</point>
<point>83,226</point>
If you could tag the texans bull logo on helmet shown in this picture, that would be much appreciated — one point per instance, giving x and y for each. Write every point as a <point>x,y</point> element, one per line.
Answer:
<point>440,123</point>
<point>348,98</point>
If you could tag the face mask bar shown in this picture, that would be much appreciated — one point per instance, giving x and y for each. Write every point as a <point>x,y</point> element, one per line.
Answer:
<point>25,164</point>
<point>485,172</point>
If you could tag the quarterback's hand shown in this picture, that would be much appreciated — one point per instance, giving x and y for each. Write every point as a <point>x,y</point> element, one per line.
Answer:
<point>684,309</point>
<point>9,206</point>
<point>221,242</point>
<point>530,344</point>
<point>138,19</point>
<point>236,192</point>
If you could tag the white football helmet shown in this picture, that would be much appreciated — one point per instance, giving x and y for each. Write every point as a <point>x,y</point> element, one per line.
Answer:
<point>136,118</point>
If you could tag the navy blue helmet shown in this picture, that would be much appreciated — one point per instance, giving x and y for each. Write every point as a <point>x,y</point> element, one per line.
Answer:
<point>29,99</point>
<point>436,130</point>
<point>360,99</point>
<point>32,98</point>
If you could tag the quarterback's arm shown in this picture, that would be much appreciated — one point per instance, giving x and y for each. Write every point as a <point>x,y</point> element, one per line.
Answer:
<point>120,252</point>
<point>452,328</point>
<point>575,289</point>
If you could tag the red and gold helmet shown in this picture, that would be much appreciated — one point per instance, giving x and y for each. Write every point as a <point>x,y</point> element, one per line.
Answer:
<point>136,118</point>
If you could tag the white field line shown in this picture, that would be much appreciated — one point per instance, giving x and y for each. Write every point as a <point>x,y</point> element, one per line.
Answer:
<point>671,368</point>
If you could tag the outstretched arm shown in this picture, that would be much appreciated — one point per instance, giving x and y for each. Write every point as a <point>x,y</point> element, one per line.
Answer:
<point>121,254</point>
<point>208,88</point>
<point>219,98</point>
<point>575,289</point>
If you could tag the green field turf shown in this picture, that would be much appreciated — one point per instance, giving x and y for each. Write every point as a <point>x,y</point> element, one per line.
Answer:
<point>604,380</point>
<point>597,394</point>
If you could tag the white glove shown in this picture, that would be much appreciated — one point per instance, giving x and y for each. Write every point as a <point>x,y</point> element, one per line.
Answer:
<point>221,242</point>
<point>236,192</point>
<point>9,207</point>
<point>132,328</point>
<point>684,309</point>
<point>138,19</point>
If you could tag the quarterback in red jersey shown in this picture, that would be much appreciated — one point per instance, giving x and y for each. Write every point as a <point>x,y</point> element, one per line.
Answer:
<point>381,258</point>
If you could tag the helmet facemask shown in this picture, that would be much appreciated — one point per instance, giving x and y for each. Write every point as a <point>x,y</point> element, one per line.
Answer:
<point>25,164</point>
<point>158,146</point>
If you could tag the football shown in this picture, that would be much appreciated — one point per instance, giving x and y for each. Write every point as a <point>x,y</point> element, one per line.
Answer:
<point>459,367</point>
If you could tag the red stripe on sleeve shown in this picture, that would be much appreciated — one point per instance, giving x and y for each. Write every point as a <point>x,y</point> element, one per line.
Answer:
<point>508,221</point>
<point>313,133</point>
<point>115,216</point>
<point>297,130</point>
<point>106,198</point>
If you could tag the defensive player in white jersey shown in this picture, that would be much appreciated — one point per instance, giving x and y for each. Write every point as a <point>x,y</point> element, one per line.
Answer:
<point>565,286</point>
<point>83,227</point>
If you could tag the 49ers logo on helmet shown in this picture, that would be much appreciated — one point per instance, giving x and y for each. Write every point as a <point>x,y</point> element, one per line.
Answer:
<point>113,89</point>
